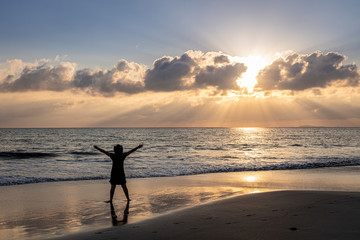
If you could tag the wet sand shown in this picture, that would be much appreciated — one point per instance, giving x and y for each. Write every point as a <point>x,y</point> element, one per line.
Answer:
<point>48,210</point>
<point>272,215</point>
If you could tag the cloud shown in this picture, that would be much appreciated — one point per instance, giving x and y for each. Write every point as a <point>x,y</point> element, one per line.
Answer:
<point>221,59</point>
<point>11,67</point>
<point>41,77</point>
<point>170,74</point>
<point>194,70</point>
<point>223,77</point>
<point>124,77</point>
<point>299,72</point>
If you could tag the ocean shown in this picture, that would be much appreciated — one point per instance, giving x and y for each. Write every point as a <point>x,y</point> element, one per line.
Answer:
<point>64,154</point>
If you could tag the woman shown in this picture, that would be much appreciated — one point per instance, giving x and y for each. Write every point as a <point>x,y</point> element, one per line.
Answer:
<point>117,170</point>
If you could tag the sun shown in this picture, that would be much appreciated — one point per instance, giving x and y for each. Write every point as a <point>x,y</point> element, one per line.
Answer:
<point>254,64</point>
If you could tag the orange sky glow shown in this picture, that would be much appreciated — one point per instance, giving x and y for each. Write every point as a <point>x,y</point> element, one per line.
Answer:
<point>179,64</point>
<point>192,101</point>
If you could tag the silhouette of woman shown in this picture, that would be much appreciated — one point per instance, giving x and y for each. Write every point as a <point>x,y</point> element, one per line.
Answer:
<point>117,170</point>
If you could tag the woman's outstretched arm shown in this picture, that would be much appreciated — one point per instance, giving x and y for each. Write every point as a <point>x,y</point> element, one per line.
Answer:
<point>102,150</point>
<point>134,149</point>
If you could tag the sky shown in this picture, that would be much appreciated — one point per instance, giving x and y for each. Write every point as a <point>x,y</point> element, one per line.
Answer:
<point>179,63</point>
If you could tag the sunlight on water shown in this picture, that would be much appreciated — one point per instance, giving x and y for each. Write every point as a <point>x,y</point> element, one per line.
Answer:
<point>249,129</point>
<point>46,155</point>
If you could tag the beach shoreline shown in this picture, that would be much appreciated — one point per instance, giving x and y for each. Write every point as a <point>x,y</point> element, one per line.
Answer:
<point>269,215</point>
<point>50,210</point>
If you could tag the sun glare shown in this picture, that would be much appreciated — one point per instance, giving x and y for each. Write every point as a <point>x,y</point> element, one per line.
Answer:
<point>254,64</point>
<point>250,178</point>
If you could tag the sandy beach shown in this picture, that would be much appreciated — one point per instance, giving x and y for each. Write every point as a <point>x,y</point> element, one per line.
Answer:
<point>272,215</point>
<point>296,204</point>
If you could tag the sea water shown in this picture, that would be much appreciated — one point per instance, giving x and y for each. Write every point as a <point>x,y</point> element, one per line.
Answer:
<point>48,155</point>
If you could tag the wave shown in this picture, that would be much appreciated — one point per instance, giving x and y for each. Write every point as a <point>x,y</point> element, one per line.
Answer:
<point>43,180</point>
<point>312,165</point>
<point>22,155</point>
<point>343,163</point>
<point>197,171</point>
<point>83,153</point>
<point>25,155</point>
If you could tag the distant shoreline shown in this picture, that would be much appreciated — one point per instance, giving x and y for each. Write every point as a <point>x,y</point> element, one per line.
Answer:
<point>302,126</point>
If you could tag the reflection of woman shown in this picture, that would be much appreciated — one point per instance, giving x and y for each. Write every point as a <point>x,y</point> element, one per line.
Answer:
<point>114,217</point>
<point>117,170</point>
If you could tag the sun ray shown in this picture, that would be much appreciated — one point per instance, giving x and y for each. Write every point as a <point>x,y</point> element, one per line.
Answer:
<point>254,64</point>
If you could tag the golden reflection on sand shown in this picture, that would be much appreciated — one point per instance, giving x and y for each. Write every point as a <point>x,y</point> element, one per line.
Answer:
<point>34,211</point>
<point>250,178</point>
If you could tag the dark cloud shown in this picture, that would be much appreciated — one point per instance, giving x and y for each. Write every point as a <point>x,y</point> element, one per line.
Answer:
<point>192,72</point>
<point>107,82</point>
<point>221,59</point>
<point>170,74</point>
<point>122,65</point>
<point>224,77</point>
<point>124,77</point>
<point>300,72</point>
<point>42,77</point>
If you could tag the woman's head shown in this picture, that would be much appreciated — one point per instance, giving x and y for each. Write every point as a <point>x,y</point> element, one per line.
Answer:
<point>118,149</point>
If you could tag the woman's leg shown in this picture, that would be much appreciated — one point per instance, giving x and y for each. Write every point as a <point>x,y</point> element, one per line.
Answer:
<point>112,191</point>
<point>125,191</point>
